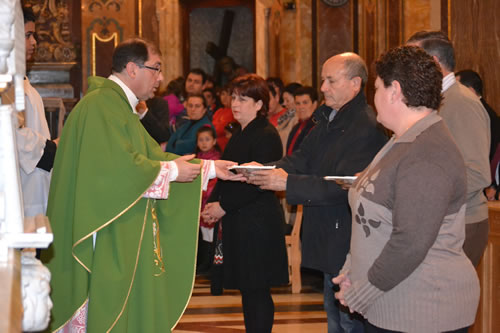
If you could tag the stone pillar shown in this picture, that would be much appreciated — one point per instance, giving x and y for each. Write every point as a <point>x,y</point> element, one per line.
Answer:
<point>262,13</point>
<point>303,44</point>
<point>170,38</point>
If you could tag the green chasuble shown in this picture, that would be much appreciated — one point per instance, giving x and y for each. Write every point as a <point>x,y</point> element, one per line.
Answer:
<point>105,162</point>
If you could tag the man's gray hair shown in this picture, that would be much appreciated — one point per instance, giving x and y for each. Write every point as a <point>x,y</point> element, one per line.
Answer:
<point>355,66</point>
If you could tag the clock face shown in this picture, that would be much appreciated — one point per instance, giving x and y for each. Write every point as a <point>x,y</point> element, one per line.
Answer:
<point>335,3</point>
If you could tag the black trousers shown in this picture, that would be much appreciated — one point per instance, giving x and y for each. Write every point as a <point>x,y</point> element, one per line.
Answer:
<point>369,328</point>
<point>258,310</point>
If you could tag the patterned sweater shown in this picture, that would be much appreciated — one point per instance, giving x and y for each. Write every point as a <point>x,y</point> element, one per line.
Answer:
<point>406,263</point>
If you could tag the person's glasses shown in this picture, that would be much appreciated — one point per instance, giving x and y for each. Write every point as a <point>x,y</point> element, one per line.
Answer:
<point>156,69</point>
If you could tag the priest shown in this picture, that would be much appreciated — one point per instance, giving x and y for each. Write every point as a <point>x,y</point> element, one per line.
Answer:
<point>123,257</point>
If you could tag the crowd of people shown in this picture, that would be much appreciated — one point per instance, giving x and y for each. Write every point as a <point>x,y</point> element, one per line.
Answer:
<point>134,197</point>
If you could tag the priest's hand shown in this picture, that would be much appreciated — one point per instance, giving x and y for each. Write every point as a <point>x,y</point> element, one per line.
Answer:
<point>223,172</point>
<point>274,180</point>
<point>213,212</point>
<point>187,171</point>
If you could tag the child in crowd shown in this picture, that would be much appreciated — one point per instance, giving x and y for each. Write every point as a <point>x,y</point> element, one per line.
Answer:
<point>206,149</point>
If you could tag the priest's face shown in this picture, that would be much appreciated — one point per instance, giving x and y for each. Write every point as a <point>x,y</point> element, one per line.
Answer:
<point>149,77</point>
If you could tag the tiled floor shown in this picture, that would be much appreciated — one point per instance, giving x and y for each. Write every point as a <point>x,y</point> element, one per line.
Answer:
<point>294,313</point>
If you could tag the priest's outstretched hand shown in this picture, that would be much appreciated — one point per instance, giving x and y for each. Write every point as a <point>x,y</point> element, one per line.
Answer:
<point>223,172</point>
<point>187,171</point>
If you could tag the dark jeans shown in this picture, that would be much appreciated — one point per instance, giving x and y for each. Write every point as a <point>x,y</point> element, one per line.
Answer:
<point>369,328</point>
<point>476,239</point>
<point>258,310</point>
<point>340,320</point>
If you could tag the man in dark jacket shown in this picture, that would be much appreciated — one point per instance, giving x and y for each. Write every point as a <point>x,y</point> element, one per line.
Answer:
<point>343,142</point>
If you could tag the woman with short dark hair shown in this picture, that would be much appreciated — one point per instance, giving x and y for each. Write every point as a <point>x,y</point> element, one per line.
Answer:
<point>406,270</point>
<point>253,241</point>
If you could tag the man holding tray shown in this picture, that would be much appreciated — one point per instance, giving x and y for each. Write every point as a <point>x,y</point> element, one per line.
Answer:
<point>343,142</point>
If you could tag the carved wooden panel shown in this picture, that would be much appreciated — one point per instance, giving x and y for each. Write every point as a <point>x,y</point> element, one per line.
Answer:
<point>105,23</point>
<point>54,31</point>
<point>474,25</point>
<point>58,30</point>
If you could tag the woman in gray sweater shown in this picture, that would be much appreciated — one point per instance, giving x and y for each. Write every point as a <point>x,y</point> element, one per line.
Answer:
<point>406,270</point>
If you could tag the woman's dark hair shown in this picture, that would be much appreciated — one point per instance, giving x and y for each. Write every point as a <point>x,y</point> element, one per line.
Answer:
<point>207,129</point>
<point>276,83</point>
<point>198,96</point>
<point>134,50</point>
<point>253,86</point>
<point>175,87</point>
<point>416,71</point>
<point>211,91</point>
<point>292,87</point>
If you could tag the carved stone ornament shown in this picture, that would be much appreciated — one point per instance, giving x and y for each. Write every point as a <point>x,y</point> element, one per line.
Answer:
<point>335,3</point>
<point>53,31</point>
<point>35,282</point>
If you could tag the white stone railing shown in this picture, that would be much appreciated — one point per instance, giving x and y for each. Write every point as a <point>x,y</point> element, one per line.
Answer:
<point>32,287</point>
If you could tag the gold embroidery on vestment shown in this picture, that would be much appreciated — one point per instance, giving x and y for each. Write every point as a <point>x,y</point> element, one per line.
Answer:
<point>157,250</point>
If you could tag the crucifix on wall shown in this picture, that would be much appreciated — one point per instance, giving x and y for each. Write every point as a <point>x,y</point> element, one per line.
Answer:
<point>221,38</point>
<point>225,68</point>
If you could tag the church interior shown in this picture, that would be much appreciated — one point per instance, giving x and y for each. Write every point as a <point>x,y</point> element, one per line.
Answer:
<point>288,39</point>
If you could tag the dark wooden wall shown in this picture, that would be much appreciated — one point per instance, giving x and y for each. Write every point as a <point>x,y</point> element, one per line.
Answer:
<point>475,27</point>
<point>335,31</point>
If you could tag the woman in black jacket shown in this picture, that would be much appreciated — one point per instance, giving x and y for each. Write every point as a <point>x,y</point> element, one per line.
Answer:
<point>253,238</point>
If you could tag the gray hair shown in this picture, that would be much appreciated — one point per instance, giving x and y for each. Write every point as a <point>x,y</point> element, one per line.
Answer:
<point>354,66</point>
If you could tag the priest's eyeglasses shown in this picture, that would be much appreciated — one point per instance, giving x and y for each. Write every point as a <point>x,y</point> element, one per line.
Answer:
<point>156,69</point>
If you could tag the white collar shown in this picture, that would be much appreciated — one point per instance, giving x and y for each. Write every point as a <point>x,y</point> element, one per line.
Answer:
<point>448,81</point>
<point>132,99</point>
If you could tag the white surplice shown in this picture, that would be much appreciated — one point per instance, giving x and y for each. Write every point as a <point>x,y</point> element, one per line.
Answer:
<point>31,140</point>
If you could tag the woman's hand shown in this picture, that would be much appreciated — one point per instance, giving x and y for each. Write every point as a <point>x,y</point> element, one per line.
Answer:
<point>213,212</point>
<point>344,283</point>
<point>490,193</point>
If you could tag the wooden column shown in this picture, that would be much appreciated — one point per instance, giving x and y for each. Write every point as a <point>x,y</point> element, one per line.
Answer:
<point>335,31</point>
<point>487,319</point>
<point>170,38</point>
<point>11,306</point>
<point>474,26</point>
